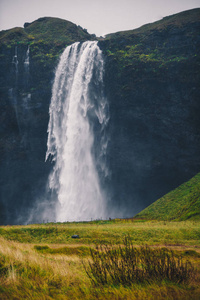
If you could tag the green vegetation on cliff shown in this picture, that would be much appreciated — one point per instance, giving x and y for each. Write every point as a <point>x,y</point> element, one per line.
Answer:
<point>181,204</point>
<point>47,37</point>
<point>177,20</point>
<point>52,30</point>
<point>152,80</point>
<point>152,83</point>
<point>155,48</point>
<point>56,30</point>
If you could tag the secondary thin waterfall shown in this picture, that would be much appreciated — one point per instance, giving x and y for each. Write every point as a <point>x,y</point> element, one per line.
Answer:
<point>77,134</point>
<point>27,95</point>
<point>13,91</point>
<point>27,61</point>
<point>15,62</point>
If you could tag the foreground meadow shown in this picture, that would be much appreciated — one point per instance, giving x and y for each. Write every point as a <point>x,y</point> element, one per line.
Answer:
<point>45,262</point>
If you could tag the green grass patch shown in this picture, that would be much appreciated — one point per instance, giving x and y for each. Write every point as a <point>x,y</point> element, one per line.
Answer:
<point>79,251</point>
<point>141,233</point>
<point>181,204</point>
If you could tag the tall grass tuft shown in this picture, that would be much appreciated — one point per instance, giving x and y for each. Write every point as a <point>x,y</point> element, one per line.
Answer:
<point>127,265</point>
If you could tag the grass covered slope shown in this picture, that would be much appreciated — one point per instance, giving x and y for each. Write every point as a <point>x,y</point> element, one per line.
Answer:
<point>178,20</point>
<point>56,30</point>
<point>49,29</point>
<point>180,204</point>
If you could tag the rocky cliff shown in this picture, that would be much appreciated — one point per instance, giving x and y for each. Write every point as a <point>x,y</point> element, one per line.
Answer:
<point>152,83</point>
<point>25,93</point>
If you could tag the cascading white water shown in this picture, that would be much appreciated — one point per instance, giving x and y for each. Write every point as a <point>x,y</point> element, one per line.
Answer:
<point>77,139</point>
<point>26,61</point>
<point>15,62</point>
<point>27,96</point>
<point>12,92</point>
<point>26,68</point>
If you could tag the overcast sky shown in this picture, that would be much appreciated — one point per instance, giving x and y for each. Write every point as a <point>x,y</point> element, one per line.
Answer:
<point>97,16</point>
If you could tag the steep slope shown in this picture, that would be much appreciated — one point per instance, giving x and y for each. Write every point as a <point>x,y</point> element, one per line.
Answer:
<point>181,204</point>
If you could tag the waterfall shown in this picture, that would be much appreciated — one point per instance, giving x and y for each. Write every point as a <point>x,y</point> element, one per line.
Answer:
<point>27,96</point>
<point>15,62</point>
<point>26,61</point>
<point>77,134</point>
<point>12,92</point>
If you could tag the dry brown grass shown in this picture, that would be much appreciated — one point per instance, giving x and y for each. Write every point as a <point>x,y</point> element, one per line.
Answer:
<point>31,274</point>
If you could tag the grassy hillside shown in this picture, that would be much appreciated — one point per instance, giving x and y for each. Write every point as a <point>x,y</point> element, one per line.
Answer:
<point>181,204</point>
<point>49,29</point>
<point>56,30</point>
<point>178,20</point>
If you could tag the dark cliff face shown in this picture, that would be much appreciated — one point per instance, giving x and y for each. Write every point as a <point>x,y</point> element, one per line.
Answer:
<point>25,93</point>
<point>152,83</point>
<point>24,115</point>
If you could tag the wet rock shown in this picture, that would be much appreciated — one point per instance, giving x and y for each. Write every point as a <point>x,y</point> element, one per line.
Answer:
<point>75,236</point>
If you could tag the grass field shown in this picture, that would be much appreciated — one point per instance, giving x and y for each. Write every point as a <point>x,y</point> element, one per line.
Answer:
<point>45,262</point>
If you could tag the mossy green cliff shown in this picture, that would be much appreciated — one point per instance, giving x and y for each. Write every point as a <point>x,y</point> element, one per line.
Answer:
<point>152,82</point>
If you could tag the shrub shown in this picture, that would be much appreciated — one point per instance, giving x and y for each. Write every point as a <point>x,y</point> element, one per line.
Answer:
<point>126,265</point>
<point>41,248</point>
